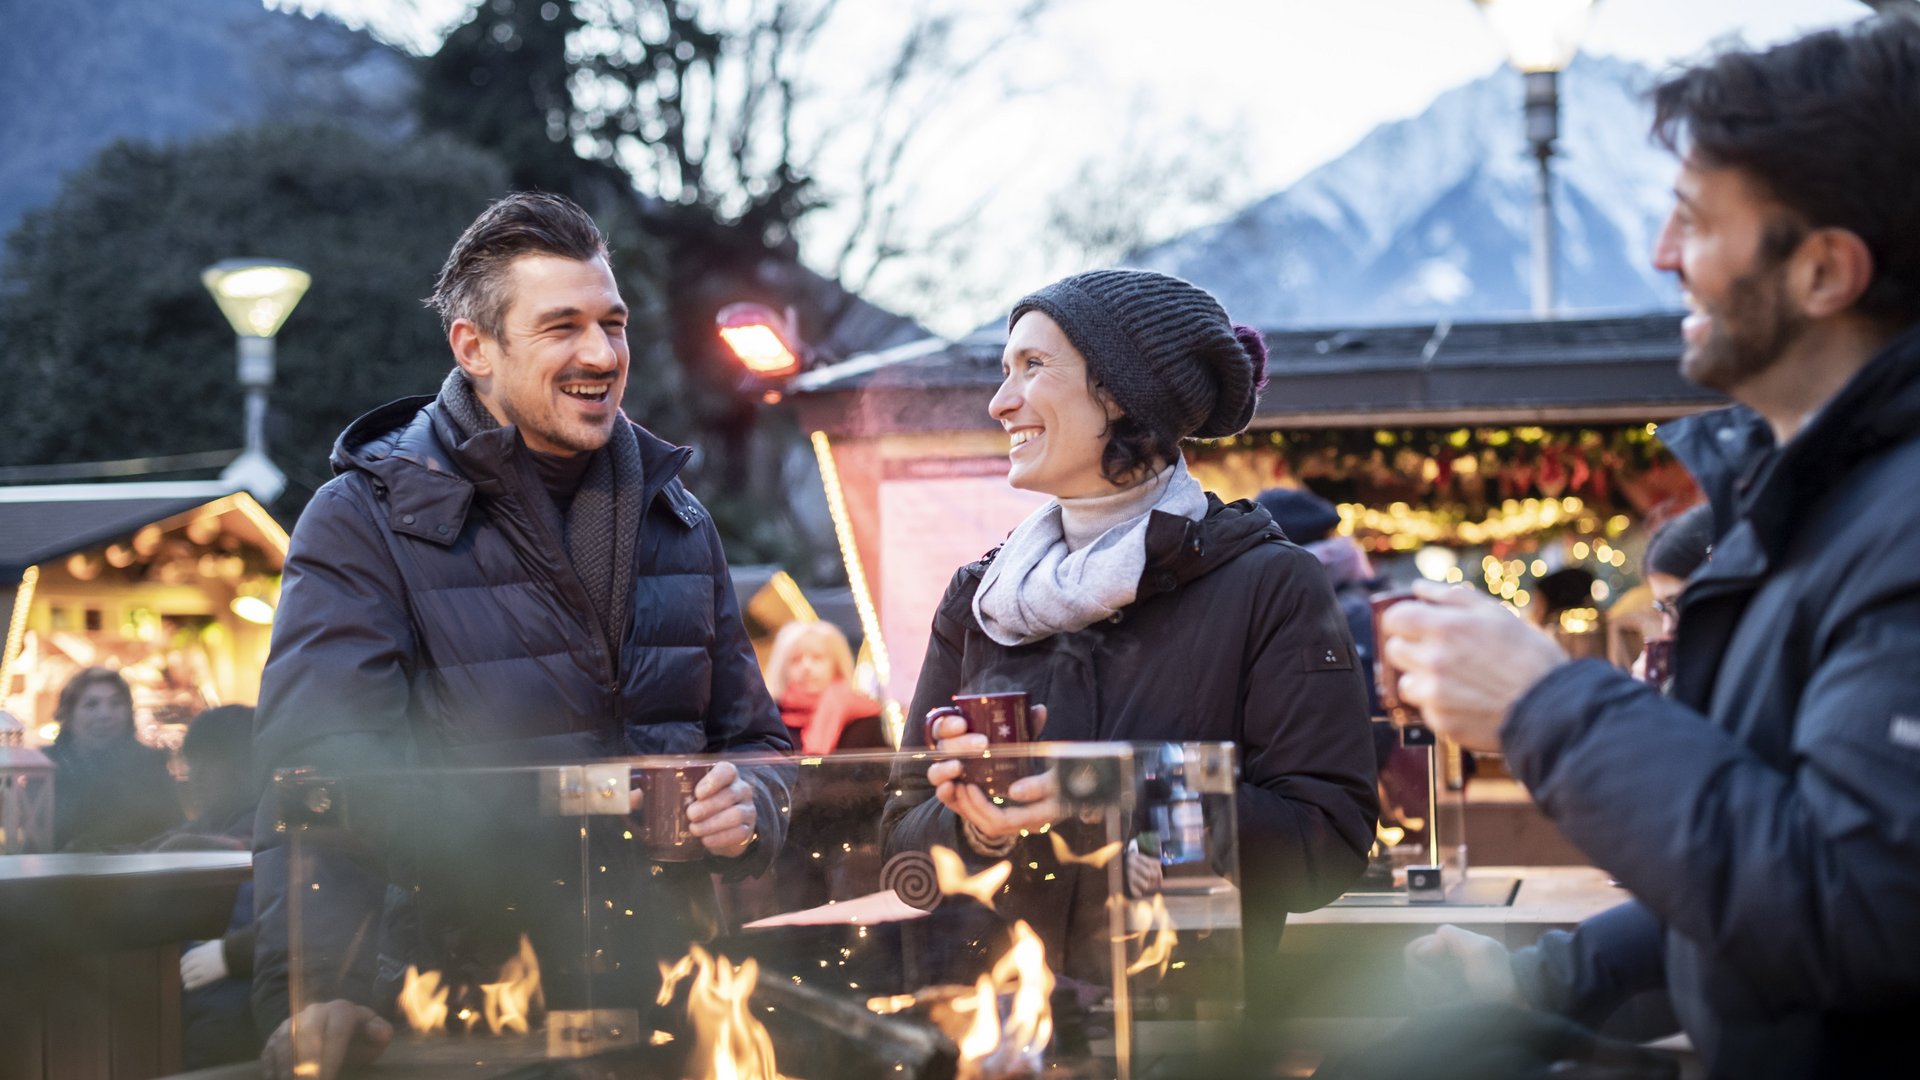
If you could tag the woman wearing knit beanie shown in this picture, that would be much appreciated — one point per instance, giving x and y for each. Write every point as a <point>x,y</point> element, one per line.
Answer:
<point>1134,605</point>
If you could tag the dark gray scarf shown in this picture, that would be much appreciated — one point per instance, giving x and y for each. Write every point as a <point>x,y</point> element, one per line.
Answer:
<point>600,528</point>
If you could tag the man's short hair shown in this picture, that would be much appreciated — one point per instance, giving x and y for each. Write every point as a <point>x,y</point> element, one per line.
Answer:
<point>473,283</point>
<point>1829,125</point>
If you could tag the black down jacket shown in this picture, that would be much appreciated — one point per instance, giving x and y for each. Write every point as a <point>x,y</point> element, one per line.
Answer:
<point>429,616</point>
<point>1769,814</point>
<point>1234,637</point>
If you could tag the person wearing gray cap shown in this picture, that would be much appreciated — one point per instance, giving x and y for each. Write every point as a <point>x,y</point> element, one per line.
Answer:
<point>1134,605</point>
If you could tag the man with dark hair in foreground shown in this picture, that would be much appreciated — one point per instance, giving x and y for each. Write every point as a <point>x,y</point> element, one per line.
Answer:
<point>1767,816</point>
<point>506,573</point>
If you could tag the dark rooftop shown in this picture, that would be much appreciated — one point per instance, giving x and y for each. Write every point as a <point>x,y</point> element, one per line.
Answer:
<point>1616,369</point>
<point>38,523</point>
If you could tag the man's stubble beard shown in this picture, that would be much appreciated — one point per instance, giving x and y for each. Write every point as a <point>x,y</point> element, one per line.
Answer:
<point>1751,332</point>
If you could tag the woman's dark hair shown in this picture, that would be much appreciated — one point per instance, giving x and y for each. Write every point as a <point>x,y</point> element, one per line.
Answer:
<point>473,283</point>
<point>1679,547</point>
<point>1829,125</point>
<point>1133,446</point>
<point>78,685</point>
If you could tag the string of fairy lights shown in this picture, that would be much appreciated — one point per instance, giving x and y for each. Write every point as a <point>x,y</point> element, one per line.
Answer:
<point>1524,501</point>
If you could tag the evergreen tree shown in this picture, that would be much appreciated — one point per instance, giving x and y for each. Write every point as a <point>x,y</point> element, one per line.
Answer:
<point>112,348</point>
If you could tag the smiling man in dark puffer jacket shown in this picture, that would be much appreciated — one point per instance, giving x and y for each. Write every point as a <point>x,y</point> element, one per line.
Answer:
<point>1766,816</point>
<point>505,573</point>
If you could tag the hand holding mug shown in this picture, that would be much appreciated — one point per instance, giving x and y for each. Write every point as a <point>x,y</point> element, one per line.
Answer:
<point>722,814</point>
<point>968,786</point>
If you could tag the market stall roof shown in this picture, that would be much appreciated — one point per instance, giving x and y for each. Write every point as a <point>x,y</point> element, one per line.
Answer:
<point>46,521</point>
<point>1557,371</point>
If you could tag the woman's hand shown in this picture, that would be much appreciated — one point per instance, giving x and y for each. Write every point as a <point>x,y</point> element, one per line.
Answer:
<point>722,813</point>
<point>1031,801</point>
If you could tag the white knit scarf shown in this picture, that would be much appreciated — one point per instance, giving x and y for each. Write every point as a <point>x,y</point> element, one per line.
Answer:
<point>1036,588</point>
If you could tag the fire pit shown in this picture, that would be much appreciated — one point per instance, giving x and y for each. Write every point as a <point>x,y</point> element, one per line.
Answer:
<point>530,928</point>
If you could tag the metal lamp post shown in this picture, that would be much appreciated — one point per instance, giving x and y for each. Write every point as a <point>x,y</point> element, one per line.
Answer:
<point>1541,38</point>
<point>256,296</point>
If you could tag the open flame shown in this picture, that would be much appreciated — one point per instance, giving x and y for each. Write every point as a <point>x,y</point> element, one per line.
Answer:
<point>1099,858</point>
<point>423,1001</point>
<point>509,1002</point>
<point>991,1049</point>
<point>731,1043</point>
<point>1151,917</point>
<point>951,872</point>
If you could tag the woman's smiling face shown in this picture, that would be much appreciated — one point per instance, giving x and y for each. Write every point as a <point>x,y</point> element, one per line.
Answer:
<point>1048,406</point>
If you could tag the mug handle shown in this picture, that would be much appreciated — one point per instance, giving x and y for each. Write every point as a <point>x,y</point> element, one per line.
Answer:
<point>936,714</point>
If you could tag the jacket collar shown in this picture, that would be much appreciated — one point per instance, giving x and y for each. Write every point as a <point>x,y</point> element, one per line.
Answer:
<point>1180,550</point>
<point>1731,452</point>
<point>429,477</point>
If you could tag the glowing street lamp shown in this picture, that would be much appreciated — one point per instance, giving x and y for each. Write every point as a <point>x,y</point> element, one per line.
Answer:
<point>761,339</point>
<point>256,296</point>
<point>1541,38</point>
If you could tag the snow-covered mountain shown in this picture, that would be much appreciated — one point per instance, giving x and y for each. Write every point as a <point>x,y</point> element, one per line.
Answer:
<point>1428,217</point>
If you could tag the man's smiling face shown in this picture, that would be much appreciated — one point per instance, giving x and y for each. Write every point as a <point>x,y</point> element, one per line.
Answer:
<point>559,368</point>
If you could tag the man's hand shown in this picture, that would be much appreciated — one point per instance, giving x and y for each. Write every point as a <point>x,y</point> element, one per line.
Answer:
<point>722,814</point>
<point>1031,802</point>
<point>1453,966</point>
<point>203,965</point>
<point>1464,660</point>
<point>323,1037</point>
<point>1143,872</point>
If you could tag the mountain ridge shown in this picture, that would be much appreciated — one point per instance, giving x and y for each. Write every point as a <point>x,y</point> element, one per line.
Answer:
<point>1428,217</point>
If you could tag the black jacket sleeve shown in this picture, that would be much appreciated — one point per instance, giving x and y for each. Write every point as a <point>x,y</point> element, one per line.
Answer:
<point>333,696</point>
<point>1587,974</point>
<point>1803,881</point>
<point>742,719</point>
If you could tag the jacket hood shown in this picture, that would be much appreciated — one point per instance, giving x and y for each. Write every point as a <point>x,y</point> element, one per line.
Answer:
<point>411,449</point>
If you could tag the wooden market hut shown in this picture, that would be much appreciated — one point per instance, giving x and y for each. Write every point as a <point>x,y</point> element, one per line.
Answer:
<point>1425,434</point>
<point>172,583</point>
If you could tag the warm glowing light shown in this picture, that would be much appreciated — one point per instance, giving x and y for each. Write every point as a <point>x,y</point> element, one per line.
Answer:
<point>1098,859</point>
<point>951,873</point>
<point>423,1001</point>
<point>983,1035</point>
<point>871,641</point>
<point>993,1047</point>
<point>789,593</point>
<point>253,609</point>
<point>17,624</point>
<point>760,349</point>
<point>729,1042</point>
<point>1152,917</point>
<point>670,977</point>
<point>508,1002</point>
<point>886,1006</point>
<point>256,295</point>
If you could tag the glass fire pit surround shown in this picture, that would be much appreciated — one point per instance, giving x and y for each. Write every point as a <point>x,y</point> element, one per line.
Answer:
<point>560,921</point>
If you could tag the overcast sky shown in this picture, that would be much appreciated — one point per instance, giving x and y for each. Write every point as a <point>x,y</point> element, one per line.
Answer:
<point>1289,84</point>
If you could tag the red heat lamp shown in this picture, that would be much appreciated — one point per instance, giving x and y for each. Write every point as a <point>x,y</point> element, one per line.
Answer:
<point>762,339</point>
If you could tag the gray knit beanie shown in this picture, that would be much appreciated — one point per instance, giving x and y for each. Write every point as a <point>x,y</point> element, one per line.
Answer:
<point>1163,347</point>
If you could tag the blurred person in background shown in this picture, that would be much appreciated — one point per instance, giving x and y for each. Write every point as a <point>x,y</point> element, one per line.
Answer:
<point>810,674</point>
<point>110,789</point>
<point>832,850</point>
<point>223,791</point>
<point>1677,549</point>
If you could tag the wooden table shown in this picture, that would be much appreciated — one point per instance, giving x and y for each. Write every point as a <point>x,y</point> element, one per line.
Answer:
<point>90,948</point>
